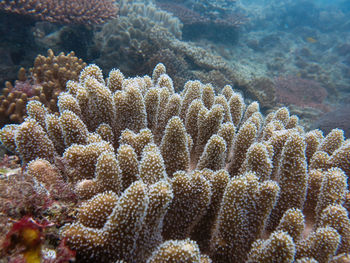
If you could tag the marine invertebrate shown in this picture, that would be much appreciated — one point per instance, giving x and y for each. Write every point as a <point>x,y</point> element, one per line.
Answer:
<point>176,251</point>
<point>79,12</point>
<point>154,167</point>
<point>290,90</point>
<point>127,40</point>
<point>116,232</point>
<point>45,81</point>
<point>237,228</point>
<point>52,72</point>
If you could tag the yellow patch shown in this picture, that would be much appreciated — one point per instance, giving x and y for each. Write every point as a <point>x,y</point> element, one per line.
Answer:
<point>33,255</point>
<point>311,40</point>
<point>30,236</point>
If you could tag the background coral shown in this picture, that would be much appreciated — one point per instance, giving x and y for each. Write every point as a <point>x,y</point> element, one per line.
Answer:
<point>63,11</point>
<point>43,83</point>
<point>202,19</point>
<point>301,92</point>
<point>126,40</point>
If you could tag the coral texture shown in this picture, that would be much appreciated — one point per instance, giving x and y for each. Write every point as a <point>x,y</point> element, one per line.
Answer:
<point>126,40</point>
<point>188,177</point>
<point>64,11</point>
<point>47,79</point>
<point>300,92</point>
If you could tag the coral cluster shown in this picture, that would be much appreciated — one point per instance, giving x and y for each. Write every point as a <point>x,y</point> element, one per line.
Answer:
<point>144,35</point>
<point>64,11</point>
<point>126,40</point>
<point>187,177</point>
<point>52,72</point>
<point>46,80</point>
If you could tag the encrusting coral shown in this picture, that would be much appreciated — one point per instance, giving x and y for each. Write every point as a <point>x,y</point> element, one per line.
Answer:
<point>187,177</point>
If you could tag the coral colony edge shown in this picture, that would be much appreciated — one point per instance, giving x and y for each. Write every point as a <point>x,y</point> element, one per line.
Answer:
<point>161,176</point>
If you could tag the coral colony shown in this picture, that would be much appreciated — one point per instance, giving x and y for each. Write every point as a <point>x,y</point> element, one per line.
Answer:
<point>64,11</point>
<point>163,169</point>
<point>160,176</point>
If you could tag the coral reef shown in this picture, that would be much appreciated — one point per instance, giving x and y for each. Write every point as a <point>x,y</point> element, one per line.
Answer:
<point>335,118</point>
<point>300,92</point>
<point>125,41</point>
<point>194,176</point>
<point>45,81</point>
<point>191,17</point>
<point>63,11</point>
<point>205,19</point>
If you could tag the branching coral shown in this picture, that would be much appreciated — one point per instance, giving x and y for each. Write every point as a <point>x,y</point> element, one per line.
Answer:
<point>63,11</point>
<point>47,79</point>
<point>157,168</point>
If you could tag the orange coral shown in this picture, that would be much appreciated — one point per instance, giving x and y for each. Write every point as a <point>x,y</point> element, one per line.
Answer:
<point>47,79</point>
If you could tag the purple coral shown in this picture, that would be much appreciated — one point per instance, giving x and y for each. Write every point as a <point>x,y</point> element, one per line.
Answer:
<point>300,92</point>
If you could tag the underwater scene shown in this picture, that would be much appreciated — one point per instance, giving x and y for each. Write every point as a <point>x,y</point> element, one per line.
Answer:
<point>175,131</point>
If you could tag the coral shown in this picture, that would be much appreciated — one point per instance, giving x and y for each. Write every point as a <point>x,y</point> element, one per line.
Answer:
<point>176,251</point>
<point>279,247</point>
<point>115,237</point>
<point>46,80</point>
<point>258,160</point>
<point>51,179</point>
<point>14,99</point>
<point>181,212</point>
<point>245,207</point>
<point>52,72</point>
<point>163,175</point>
<point>292,178</point>
<point>33,142</point>
<point>152,168</point>
<point>337,217</point>
<point>300,92</point>
<point>335,118</point>
<point>126,40</point>
<point>203,19</point>
<point>214,154</point>
<point>332,141</point>
<point>108,177</point>
<point>333,189</point>
<point>63,11</point>
<point>340,158</point>
<point>293,223</point>
<point>174,146</point>
<point>320,245</point>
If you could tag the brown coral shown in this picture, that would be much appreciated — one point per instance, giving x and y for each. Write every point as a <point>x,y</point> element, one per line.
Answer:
<point>63,11</point>
<point>47,79</point>
<point>179,169</point>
